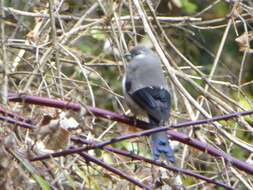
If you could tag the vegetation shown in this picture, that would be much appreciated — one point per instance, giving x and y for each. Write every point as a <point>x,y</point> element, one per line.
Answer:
<point>65,124</point>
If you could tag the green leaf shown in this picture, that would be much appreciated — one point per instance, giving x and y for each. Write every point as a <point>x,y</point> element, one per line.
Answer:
<point>40,180</point>
<point>43,183</point>
<point>245,103</point>
<point>188,6</point>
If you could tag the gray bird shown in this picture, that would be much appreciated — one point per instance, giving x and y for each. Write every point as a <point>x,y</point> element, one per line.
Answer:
<point>147,93</point>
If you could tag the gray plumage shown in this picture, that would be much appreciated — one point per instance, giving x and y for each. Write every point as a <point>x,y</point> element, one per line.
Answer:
<point>147,93</point>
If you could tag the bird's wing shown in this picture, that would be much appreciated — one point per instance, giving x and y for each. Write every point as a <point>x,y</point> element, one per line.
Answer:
<point>155,101</point>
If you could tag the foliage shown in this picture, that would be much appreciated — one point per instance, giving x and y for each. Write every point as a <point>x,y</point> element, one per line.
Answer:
<point>74,50</point>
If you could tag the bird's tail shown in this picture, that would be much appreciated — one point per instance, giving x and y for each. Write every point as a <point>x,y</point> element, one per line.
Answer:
<point>160,145</point>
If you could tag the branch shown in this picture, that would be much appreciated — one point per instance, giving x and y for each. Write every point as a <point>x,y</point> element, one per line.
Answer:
<point>90,158</point>
<point>127,17</point>
<point>174,135</point>
<point>137,123</point>
<point>15,122</point>
<point>14,115</point>
<point>44,101</point>
<point>153,162</point>
<point>124,153</point>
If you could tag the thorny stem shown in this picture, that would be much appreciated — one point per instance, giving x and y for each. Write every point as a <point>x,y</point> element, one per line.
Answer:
<point>137,123</point>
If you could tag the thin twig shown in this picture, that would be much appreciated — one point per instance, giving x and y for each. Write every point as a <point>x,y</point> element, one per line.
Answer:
<point>141,124</point>
<point>116,171</point>
<point>179,85</point>
<point>153,162</point>
<point>4,82</point>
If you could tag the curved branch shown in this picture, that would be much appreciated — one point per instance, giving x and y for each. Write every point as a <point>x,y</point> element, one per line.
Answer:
<point>174,135</point>
<point>93,159</point>
<point>153,162</point>
<point>112,115</point>
<point>140,124</point>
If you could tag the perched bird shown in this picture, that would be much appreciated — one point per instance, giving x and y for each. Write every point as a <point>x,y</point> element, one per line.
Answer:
<point>146,93</point>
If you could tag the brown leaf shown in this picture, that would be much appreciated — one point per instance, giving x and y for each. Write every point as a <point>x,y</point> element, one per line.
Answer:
<point>59,139</point>
<point>244,41</point>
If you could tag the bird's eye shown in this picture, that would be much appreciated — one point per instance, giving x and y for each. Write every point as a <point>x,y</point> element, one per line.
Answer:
<point>128,57</point>
<point>136,53</point>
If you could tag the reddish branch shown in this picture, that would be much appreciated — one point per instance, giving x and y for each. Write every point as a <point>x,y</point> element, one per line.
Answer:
<point>174,135</point>
<point>140,124</point>
<point>93,159</point>
<point>14,115</point>
<point>118,172</point>
<point>133,156</point>
<point>16,122</point>
<point>43,101</point>
<point>112,115</point>
<point>131,121</point>
<point>153,162</point>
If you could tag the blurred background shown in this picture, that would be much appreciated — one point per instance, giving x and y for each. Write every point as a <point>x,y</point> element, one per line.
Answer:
<point>74,50</point>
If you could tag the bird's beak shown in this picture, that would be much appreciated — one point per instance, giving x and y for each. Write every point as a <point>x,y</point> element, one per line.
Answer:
<point>128,56</point>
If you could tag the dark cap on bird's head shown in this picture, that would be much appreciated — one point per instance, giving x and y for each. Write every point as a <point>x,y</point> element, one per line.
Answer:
<point>138,50</point>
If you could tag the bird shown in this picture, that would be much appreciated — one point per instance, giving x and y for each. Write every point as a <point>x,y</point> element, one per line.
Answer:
<point>146,93</point>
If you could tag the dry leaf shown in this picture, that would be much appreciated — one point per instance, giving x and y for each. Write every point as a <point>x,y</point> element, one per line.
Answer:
<point>59,139</point>
<point>244,41</point>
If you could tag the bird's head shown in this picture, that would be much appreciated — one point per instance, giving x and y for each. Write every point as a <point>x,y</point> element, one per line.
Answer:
<point>138,52</point>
